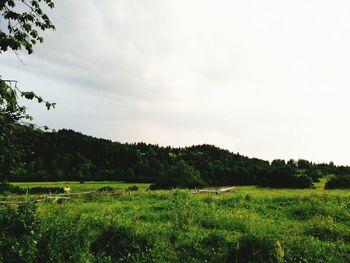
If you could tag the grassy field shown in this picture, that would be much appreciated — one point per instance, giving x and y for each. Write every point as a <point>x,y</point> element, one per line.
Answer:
<point>77,187</point>
<point>250,225</point>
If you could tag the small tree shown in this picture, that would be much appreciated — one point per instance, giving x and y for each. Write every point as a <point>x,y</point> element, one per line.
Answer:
<point>282,175</point>
<point>180,175</point>
<point>338,182</point>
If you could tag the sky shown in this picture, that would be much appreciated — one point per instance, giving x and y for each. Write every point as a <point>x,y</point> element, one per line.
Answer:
<point>268,79</point>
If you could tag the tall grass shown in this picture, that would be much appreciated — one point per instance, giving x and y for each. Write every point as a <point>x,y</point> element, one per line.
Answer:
<point>251,225</point>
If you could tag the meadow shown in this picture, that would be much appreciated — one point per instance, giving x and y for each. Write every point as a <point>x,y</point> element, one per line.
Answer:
<point>82,187</point>
<point>250,225</point>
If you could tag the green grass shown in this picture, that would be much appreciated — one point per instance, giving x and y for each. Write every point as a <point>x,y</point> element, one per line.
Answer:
<point>84,187</point>
<point>250,225</point>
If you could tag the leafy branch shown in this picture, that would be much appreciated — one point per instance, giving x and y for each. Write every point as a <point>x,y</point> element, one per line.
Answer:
<point>23,27</point>
<point>10,110</point>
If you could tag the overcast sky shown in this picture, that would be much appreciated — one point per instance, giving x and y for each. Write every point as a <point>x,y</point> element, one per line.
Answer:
<point>269,79</point>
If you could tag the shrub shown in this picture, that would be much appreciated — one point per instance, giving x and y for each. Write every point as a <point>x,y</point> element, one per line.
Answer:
<point>45,190</point>
<point>6,187</point>
<point>182,175</point>
<point>106,189</point>
<point>338,182</point>
<point>122,244</point>
<point>215,247</point>
<point>289,181</point>
<point>257,248</point>
<point>64,238</point>
<point>9,188</point>
<point>18,237</point>
<point>157,187</point>
<point>133,188</point>
<point>283,176</point>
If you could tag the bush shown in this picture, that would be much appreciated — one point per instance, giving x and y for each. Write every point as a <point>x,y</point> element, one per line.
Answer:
<point>277,180</point>
<point>106,189</point>
<point>45,190</point>
<point>9,188</point>
<point>122,244</point>
<point>161,186</point>
<point>64,238</point>
<point>338,182</point>
<point>133,188</point>
<point>215,247</point>
<point>180,175</point>
<point>257,248</point>
<point>18,237</point>
<point>282,175</point>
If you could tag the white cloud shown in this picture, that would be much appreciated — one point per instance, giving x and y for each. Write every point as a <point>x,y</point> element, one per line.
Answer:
<point>265,78</point>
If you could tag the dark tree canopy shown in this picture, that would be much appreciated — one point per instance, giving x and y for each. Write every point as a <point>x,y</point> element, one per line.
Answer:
<point>70,155</point>
<point>338,182</point>
<point>21,23</point>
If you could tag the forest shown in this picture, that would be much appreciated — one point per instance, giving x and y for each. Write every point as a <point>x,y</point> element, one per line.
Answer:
<point>69,155</point>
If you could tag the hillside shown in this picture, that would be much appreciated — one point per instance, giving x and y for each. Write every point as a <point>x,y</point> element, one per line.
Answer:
<point>70,155</point>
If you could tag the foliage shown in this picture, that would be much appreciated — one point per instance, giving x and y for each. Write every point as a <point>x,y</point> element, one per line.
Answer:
<point>251,225</point>
<point>282,175</point>
<point>133,188</point>
<point>45,190</point>
<point>18,237</point>
<point>9,188</point>
<point>14,130</point>
<point>69,155</point>
<point>257,248</point>
<point>24,20</point>
<point>327,230</point>
<point>340,182</point>
<point>181,175</point>
<point>106,189</point>
<point>122,244</point>
<point>86,187</point>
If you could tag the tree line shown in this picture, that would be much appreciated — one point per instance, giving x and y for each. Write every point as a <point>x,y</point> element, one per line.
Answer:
<point>70,155</point>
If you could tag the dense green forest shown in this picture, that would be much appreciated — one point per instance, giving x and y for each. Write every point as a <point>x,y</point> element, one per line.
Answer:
<point>70,155</point>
